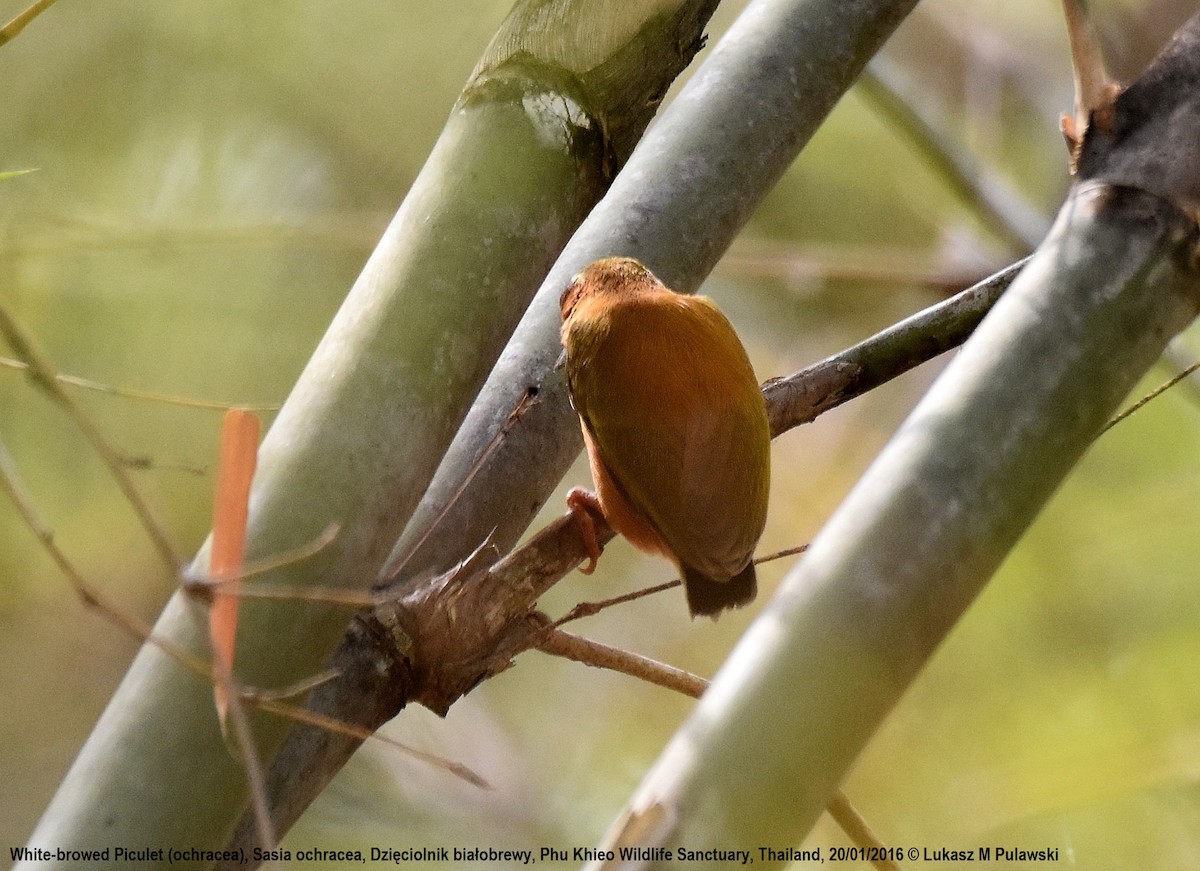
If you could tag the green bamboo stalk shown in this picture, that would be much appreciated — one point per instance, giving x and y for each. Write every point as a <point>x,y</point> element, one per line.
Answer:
<point>546,118</point>
<point>950,495</point>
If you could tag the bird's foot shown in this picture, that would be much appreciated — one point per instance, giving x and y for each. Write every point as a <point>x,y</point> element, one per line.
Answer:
<point>581,503</point>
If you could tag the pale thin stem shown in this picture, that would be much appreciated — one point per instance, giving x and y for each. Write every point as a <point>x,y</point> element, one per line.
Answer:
<point>43,375</point>
<point>329,724</point>
<point>1153,394</point>
<point>587,609</point>
<point>147,395</point>
<point>144,463</point>
<point>578,649</point>
<point>803,396</point>
<point>254,568</point>
<point>247,752</point>
<point>293,593</point>
<point>296,690</point>
<point>92,598</point>
<point>10,30</point>
<point>855,826</point>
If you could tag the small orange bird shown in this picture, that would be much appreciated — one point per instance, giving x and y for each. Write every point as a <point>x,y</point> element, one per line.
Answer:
<point>675,427</point>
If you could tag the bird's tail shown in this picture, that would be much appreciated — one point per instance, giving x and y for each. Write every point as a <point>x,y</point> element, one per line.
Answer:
<point>710,597</point>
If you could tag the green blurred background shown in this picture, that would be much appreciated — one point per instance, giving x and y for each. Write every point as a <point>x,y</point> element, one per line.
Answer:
<point>210,178</point>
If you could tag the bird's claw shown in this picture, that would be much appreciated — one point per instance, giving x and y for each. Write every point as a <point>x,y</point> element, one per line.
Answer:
<point>581,503</point>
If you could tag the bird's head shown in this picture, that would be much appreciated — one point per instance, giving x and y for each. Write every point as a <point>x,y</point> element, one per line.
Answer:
<point>612,275</point>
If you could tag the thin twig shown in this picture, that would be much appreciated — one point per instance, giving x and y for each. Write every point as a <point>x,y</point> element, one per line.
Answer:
<point>1095,90</point>
<point>557,642</point>
<point>1153,394</point>
<point>297,690</point>
<point>588,609</point>
<point>42,374</point>
<point>290,592</point>
<point>134,627</point>
<point>247,751</point>
<point>147,395</point>
<point>144,463</point>
<point>10,30</point>
<point>780,554</point>
<point>855,826</point>
<point>253,568</point>
<point>1179,358</point>
<point>91,597</point>
<point>340,727</point>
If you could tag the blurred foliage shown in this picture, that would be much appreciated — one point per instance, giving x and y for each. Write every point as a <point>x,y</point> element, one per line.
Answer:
<point>211,178</point>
